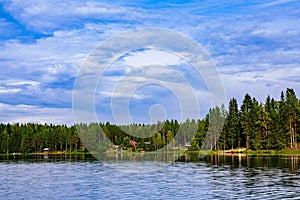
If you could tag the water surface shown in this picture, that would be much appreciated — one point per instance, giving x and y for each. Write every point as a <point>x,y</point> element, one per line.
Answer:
<point>214,177</point>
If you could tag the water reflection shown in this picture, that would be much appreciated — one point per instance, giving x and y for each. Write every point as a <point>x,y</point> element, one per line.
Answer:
<point>261,162</point>
<point>47,158</point>
<point>82,176</point>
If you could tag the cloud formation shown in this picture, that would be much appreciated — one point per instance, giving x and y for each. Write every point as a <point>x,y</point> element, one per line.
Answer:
<point>255,45</point>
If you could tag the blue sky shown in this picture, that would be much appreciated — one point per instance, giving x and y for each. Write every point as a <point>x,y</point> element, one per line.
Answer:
<point>43,44</point>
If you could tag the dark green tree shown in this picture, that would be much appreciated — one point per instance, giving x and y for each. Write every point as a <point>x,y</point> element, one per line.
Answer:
<point>291,107</point>
<point>246,119</point>
<point>233,125</point>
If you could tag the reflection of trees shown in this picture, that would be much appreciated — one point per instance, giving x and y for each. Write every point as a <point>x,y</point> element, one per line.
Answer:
<point>294,164</point>
<point>254,164</point>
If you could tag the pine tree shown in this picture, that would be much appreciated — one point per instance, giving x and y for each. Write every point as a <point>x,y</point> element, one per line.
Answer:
<point>257,125</point>
<point>291,106</point>
<point>233,124</point>
<point>246,119</point>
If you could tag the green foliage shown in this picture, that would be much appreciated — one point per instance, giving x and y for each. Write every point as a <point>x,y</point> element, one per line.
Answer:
<point>32,138</point>
<point>231,131</point>
<point>256,126</point>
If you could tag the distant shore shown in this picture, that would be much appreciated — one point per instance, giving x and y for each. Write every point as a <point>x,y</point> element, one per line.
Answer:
<point>219,152</point>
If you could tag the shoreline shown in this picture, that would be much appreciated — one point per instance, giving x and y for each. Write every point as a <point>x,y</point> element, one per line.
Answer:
<point>219,152</point>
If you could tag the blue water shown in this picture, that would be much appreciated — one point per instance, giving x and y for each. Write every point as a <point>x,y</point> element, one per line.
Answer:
<point>213,178</point>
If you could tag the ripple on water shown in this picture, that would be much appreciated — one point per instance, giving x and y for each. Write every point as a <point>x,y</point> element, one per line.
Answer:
<point>179,180</point>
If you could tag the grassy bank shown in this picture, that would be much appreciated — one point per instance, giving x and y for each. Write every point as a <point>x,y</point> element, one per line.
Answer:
<point>204,152</point>
<point>249,152</point>
<point>273,152</point>
<point>51,153</point>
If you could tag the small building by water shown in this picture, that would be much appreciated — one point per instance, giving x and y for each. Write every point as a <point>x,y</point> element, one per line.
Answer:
<point>46,150</point>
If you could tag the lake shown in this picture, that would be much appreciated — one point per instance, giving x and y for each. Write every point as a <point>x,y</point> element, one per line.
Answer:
<point>212,177</point>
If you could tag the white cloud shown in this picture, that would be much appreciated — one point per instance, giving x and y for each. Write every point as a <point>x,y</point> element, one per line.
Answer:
<point>25,113</point>
<point>9,91</point>
<point>275,3</point>
<point>271,81</point>
<point>152,57</point>
<point>46,16</point>
<point>21,82</point>
<point>255,46</point>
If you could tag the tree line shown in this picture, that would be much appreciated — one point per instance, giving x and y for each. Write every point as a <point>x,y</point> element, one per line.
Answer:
<point>271,125</point>
<point>30,137</point>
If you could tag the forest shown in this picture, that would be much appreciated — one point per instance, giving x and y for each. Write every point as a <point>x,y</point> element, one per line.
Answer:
<point>269,125</point>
